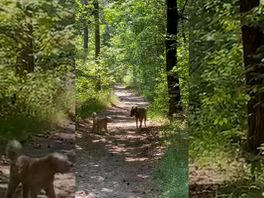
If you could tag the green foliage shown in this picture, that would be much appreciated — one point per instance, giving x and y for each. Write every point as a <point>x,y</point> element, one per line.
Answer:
<point>218,95</point>
<point>217,86</point>
<point>37,58</point>
<point>88,98</point>
<point>136,50</point>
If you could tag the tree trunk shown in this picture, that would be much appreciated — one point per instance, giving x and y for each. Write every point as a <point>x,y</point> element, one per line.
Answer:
<point>194,58</point>
<point>85,28</point>
<point>97,42</point>
<point>97,29</point>
<point>253,39</point>
<point>171,57</point>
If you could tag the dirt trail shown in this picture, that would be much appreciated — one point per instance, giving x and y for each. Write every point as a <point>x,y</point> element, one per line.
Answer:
<point>121,163</point>
<point>58,140</point>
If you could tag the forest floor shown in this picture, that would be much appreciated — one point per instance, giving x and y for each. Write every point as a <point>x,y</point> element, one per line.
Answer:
<point>61,139</point>
<point>120,163</point>
<point>203,182</point>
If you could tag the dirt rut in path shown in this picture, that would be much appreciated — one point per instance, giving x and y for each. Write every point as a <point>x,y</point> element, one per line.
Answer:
<point>121,163</point>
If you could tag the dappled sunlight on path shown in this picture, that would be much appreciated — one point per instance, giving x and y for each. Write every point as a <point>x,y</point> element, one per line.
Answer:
<point>122,162</point>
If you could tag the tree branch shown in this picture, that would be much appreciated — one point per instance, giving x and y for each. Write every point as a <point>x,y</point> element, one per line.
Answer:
<point>183,8</point>
<point>183,17</point>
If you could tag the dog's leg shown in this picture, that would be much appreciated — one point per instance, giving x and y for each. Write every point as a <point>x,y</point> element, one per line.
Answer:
<point>93,128</point>
<point>137,122</point>
<point>105,127</point>
<point>145,119</point>
<point>25,191</point>
<point>97,129</point>
<point>33,194</point>
<point>13,181</point>
<point>50,192</point>
<point>12,185</point>
<point>101,129</point>
<point>140,122</point>
<point>34,190</point>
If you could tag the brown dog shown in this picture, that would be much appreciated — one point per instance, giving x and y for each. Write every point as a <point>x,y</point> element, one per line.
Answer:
<point>100,123</point>
<point>140,113</point>
<point>34,173</point>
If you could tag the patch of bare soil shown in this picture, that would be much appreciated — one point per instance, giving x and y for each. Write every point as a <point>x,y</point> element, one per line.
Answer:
<point>120,163</point>
<point>203,183</point>
<point>60,140</point>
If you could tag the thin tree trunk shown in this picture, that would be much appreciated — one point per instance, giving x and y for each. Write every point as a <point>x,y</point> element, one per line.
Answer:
<point>194,60</point>
<point>97,41</point>
<point>85,32</point>
<point>85,28</point>
<point>97,29</point>
<point>171,57</point>
<point>253,39</point>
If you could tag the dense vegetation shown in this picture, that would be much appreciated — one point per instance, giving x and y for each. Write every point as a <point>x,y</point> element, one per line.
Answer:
<point>221,93</point>
<point>37,58</point>
<point>126,42</point>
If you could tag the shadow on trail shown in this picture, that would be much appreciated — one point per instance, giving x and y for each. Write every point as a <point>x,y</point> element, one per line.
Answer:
<point>122,162</point>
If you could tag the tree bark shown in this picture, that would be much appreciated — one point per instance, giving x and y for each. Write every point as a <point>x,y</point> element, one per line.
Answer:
<point>97,41</point>
<point>171,57</point>
<point>97,29</point>
<point>253,39</point>
<point>85,28</point>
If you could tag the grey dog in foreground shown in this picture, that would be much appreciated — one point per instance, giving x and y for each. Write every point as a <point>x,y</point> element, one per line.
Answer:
<point>34,173</point>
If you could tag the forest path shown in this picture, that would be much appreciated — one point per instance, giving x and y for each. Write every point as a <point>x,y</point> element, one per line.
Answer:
<point>121,163</point>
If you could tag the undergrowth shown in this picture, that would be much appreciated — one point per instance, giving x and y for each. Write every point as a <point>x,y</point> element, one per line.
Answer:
<point>94,103</point>
<point>240,174</point>
<point>173,169</point>
<point>31,104</point>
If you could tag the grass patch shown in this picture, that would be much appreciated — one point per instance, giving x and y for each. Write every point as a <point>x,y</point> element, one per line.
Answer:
<point>157,116</point>
<point>173,170</point>
<point>244,188</point>
<point>208,146</point>
<point>20,120</point>
<point>239,175</point>
<point>21,126</point>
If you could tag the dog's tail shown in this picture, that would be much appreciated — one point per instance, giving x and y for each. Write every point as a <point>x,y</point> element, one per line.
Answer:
<point>109,119</point>
<point>13,149</point>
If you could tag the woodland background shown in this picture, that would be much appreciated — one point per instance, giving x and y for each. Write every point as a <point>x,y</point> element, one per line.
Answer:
<point>216,68</point>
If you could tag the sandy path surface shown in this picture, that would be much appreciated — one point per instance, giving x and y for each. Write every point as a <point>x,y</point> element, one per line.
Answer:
<point>121,163</point>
